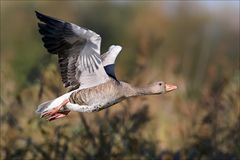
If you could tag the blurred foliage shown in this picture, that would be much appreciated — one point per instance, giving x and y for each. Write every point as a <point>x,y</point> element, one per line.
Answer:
<point>184,43</point>
<point>116,136</point>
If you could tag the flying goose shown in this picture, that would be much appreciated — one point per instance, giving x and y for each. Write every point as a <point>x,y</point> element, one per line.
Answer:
<point>88,75</point>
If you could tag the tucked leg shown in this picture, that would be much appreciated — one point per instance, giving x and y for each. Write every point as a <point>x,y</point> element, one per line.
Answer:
<point>55,110</point>
<point>58,115</point>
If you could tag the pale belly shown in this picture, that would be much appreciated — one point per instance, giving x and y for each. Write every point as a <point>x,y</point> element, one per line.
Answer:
<point>94,105</point>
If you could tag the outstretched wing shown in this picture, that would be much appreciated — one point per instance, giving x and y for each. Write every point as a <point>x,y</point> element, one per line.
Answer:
<point>108,60</point>
<point>78,51</point>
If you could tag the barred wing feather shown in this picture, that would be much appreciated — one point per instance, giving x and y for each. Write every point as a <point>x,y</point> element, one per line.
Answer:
<point>78,51</point>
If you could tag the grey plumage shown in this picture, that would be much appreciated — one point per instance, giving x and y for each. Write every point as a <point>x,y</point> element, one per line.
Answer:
<point>100,96</point>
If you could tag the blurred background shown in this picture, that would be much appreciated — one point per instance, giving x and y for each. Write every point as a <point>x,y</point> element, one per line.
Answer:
<point>192,44</point>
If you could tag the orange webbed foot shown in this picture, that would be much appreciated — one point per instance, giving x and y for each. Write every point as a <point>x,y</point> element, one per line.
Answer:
<point>56,112</point>
<point>58,115</point>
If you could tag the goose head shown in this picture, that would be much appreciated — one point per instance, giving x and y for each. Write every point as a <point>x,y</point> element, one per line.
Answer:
<point>161,87</point>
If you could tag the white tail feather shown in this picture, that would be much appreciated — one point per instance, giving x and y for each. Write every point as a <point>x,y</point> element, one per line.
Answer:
<point>49,105</point>
<point>43,107</point>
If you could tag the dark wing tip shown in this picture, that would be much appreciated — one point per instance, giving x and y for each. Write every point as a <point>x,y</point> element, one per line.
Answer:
<point>39,15</point>
<point>36,12</point>
<point>47,19</point>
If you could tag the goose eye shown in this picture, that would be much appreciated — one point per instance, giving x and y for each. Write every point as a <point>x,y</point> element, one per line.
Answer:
<point>160,84</point>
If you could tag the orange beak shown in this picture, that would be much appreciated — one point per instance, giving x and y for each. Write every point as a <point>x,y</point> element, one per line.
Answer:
<point>170,87</point>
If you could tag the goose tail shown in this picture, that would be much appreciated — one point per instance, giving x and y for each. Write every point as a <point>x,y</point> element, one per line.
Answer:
<point>43,107</point>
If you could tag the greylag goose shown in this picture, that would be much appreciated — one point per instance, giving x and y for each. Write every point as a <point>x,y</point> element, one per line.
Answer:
<point>88,75</point>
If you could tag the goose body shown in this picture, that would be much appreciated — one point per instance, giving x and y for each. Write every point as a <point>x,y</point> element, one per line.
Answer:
<point>97,98</point>
<point>88,75</point>
<point>91,99</point>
